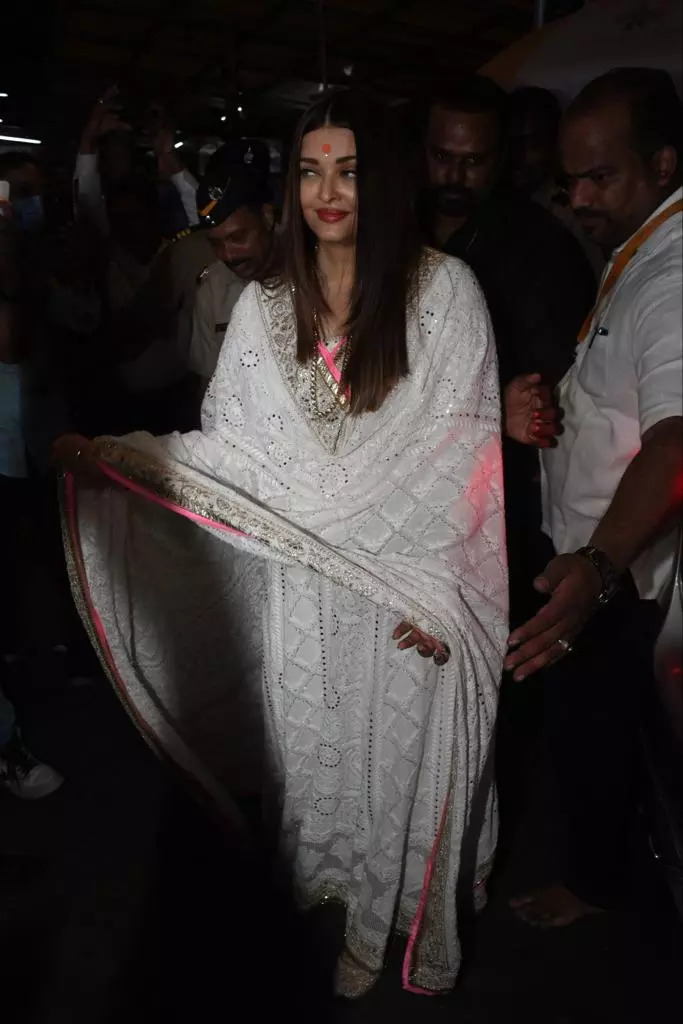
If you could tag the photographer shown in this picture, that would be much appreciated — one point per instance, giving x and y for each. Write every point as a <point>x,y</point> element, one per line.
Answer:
<point>145,331</point>
<point>106,135</point>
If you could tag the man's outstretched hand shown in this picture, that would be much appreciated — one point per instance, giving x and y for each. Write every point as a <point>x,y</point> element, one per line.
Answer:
<point>530,415</point>
<point>573,587</point>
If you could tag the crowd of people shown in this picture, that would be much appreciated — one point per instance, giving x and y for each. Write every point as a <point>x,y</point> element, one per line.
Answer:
<point>327,421</point>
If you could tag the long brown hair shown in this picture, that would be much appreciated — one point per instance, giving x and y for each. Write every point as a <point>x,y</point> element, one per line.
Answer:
<point>387,248</point>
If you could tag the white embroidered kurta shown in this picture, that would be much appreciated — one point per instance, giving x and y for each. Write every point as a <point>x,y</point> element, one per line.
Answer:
<point>381,759</point>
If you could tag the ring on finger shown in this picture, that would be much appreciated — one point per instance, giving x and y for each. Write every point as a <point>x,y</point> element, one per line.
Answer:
<point>566,646</point>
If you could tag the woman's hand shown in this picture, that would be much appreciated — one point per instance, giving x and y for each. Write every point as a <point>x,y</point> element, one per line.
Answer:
<point>530,415</point>
<point>76,455</point>
<point>427,647</point>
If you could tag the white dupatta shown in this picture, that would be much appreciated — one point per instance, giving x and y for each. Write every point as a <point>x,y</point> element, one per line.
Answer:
<point>250,632</point>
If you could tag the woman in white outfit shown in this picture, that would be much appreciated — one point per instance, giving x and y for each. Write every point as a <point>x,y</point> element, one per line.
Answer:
<point>309,594</point>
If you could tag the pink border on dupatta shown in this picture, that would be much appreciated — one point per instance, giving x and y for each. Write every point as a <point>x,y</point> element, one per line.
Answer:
<point>419,916</point>
<point>136,488</point>
<point>329,359</point>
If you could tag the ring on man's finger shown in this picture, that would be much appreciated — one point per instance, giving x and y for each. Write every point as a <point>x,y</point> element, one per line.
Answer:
<point>566,646</point>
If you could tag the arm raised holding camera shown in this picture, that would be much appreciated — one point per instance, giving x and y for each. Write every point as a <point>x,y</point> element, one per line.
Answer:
<point>169,164</point>
<point>88,198</point>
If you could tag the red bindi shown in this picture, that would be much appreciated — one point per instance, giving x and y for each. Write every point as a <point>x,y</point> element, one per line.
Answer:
<point>327,149</point>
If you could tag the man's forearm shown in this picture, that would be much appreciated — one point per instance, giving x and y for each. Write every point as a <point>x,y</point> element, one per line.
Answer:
<point>88,198</point>
<point>648,498</point>
<point>186,186</point>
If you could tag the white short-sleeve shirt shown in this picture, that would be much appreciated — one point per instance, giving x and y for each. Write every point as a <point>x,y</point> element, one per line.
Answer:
<point>627,376</point>
<point>217,295</point>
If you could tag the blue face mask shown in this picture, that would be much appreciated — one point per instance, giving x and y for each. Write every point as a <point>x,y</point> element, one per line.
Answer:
<point>29,213</point>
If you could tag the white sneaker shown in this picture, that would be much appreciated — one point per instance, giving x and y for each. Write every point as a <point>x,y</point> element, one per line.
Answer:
<point>22,775</point>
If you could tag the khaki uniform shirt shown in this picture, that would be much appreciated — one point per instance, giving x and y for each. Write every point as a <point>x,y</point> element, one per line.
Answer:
<point>217,292</point>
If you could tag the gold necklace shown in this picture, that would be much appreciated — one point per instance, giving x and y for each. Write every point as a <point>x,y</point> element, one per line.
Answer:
<point>319,368</point>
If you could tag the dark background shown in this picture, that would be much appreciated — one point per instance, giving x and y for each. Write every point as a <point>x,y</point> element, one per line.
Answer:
<point>204,58</point>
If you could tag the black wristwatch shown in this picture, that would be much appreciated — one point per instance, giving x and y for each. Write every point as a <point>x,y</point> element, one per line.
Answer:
<point>610,577</point>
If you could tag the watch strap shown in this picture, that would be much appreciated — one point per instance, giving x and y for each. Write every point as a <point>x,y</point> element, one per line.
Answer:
<point>610,577</point>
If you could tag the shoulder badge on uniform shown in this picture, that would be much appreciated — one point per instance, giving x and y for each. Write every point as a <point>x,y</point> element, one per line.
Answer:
<point>180,234</point>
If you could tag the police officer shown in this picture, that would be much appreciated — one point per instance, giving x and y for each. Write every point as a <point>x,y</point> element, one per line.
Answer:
<point>235,208</point>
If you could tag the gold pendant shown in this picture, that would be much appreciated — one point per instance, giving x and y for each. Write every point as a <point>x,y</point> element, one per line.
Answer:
<point>339,393</point>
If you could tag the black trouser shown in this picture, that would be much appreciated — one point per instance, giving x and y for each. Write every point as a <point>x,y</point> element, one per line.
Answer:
<point>520,708</point>
<point>526,544</point>
<point>30,530</point>
<point>592,701</point>
<point>14,501</point>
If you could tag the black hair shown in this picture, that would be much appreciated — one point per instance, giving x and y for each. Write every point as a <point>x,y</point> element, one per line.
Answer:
<point>249,156</point>
<point>16,158</point>
<point>474,94</point>
<point>138,188</point>
<point>387,251</point>
<point>539,103</point>
<point>655,107</point>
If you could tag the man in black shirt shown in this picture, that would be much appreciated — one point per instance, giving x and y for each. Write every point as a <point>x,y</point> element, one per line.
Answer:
<point>536,280</point>
<point>539,287</point>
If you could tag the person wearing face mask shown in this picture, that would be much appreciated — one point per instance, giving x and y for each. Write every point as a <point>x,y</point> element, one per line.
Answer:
<point>27,184</point>
<point>307,598</point>
<point>21,774</point>
<point>26,181</point>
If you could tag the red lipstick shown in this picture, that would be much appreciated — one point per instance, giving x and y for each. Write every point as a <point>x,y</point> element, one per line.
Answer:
<point>331,216</point>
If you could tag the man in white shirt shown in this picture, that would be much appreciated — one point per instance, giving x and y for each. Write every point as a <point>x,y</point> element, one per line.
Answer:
<point>613,486</point>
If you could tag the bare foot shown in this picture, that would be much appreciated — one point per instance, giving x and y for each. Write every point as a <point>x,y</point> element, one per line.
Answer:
<point>554,907</point>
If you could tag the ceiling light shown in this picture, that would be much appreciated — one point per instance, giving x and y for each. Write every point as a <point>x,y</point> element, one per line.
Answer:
<point>240,109</point>
<point>223,118</point>
<point>3,95</point>
<point>177,145</point>
<point>17,138</point>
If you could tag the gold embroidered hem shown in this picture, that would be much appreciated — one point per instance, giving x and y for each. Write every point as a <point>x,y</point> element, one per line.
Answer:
<point>244,583</point>
<point>352,980</point>
<point>258,525</point>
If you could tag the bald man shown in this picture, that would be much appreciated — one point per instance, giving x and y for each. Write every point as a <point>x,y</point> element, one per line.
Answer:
<point>613,486</point>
